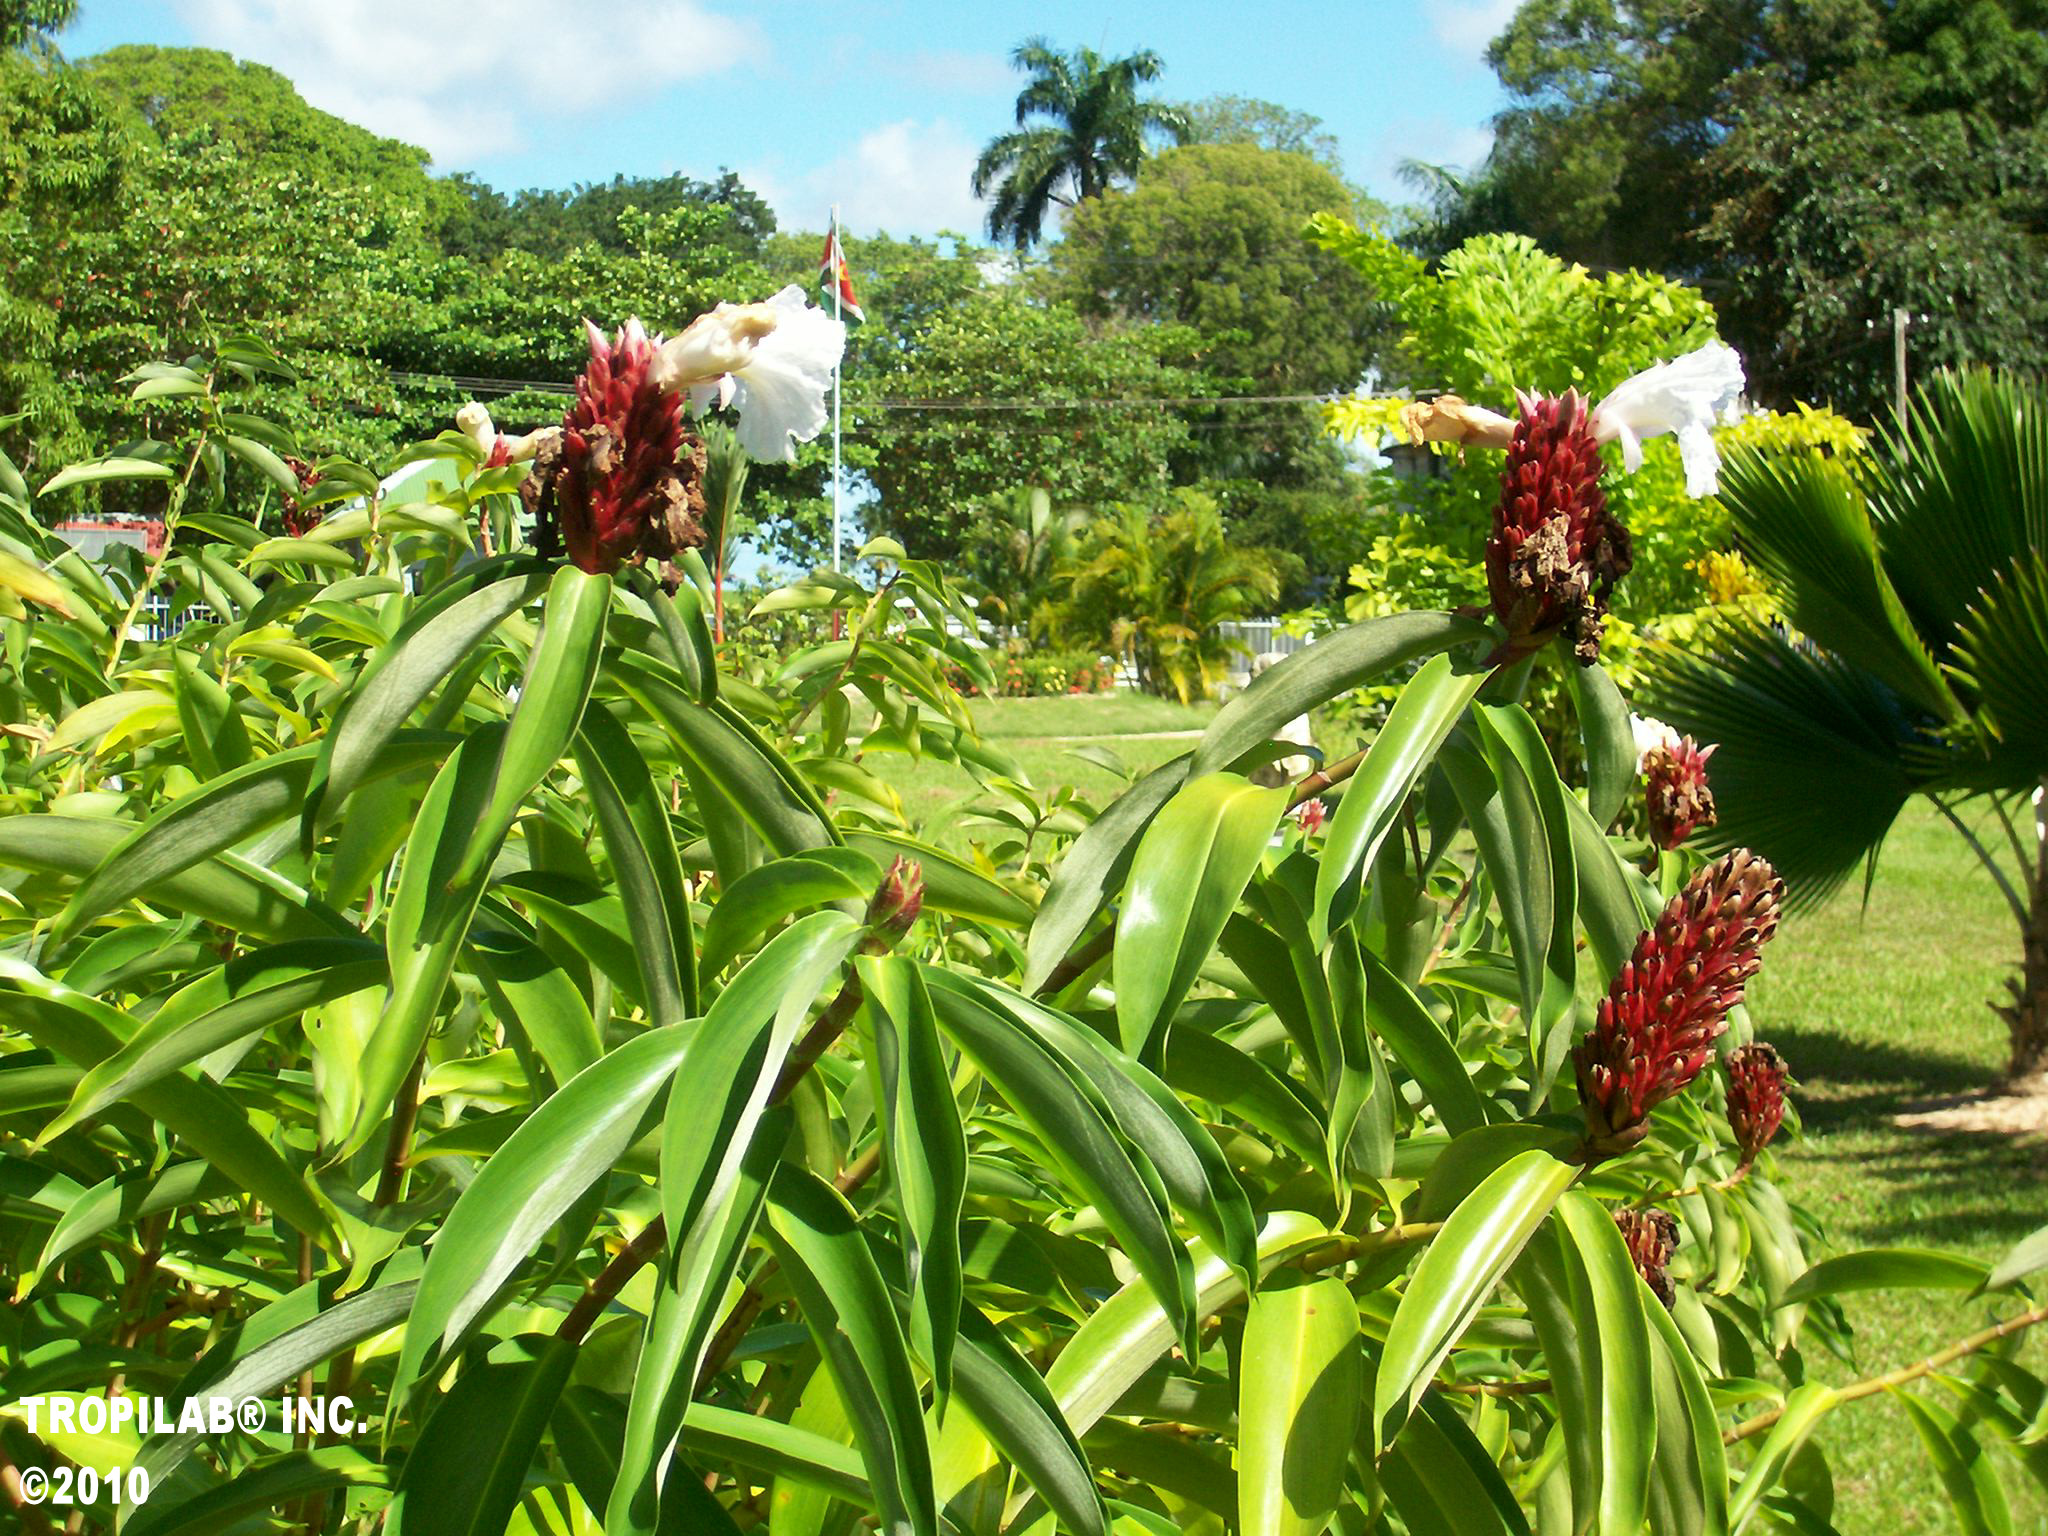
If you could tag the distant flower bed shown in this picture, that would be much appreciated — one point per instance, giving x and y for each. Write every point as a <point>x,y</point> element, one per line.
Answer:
<point>1043,674</point>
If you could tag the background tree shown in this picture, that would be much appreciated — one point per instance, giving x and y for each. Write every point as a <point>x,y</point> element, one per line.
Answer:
<point>1230,119</point>
<point>1097,130</point>
<point>1814,164</point>
<point>1092,440</point>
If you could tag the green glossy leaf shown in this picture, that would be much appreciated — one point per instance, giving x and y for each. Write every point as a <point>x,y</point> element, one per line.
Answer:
<point>1013,1406</point>
<point>465,1474</point>
<point>439,634</point>
<point>763,897</point>
<point>1964,1467</point>
<point>1628,1417</point>
<point>1804,1408</point>
<point>1398,1017</point>
<point>270,1482</point>
<point>1301,1381</point>
<point>1429,705</point>
<point>2026,1257</point>
<point>103,470</point>
<point>1609,740</point>
<point>1458,1270</point>
<point>640,841</point>
<point>852,1321</point>
<point>1442,1479</point>
<point>249,993</point>
<point>1888,1269</point>
<point>429,919</point>
<point>1191,867</point>
<point>538,996</point>
<point>558,1152</point>
<point>924,1149</point>
<point>1689,1479</point>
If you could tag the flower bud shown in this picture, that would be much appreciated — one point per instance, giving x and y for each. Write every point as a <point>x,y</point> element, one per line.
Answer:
<point>1676,799</point>
<point>1310,816</point>
<point>1659,1020</point>
<point>898,900</point>
<point>1756,1097</point>
<point>1555,552</point>
<point>1652,1238</point>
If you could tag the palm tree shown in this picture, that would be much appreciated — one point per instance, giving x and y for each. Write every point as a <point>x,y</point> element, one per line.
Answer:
<point>1022,557</point>
<point>1096,131</point>
<point>1915,585</point>
<point>1157,588</point>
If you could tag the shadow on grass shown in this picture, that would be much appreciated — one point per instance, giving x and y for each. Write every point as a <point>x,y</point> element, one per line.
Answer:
<point>1939,1188</point>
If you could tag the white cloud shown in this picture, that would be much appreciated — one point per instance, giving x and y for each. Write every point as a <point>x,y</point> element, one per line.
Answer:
<point>464,80</point>
<point>1467,26</point>
<point>906,177</point>
<point>1458,147</point>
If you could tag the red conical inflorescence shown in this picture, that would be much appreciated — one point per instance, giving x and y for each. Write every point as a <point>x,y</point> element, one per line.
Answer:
<point>1676,798</point>
<point>1756,1097</point>
<point>1661,1017</point>
<point>618,488</point>
<point>1556,551</point>
<point>1652,1238</point>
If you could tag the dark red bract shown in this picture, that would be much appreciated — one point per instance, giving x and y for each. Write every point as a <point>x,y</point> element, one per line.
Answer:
<point>1556,551</point>
<point>1652,1238</point>
<point>1676,798</point>
<point>1661,1017</point>
<point>619,492</point>
<point>1756,1097</point>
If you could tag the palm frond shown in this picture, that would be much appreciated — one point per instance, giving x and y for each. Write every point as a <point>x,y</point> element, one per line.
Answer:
<point>1960,491</point>
<point>2002,654</point>
<point>1809,764</point>
<point>1803,521</point>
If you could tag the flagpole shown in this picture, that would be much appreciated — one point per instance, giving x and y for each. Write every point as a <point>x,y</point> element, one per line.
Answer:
<point>839,314</point>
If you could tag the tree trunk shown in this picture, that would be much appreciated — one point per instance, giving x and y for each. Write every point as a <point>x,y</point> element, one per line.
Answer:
<point>2026,1017</point>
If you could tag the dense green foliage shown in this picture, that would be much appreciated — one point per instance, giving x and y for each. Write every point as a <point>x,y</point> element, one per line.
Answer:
<point>463,985</point>
<point>1818,163</point>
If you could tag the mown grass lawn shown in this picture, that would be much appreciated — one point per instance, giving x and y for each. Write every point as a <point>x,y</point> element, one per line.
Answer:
<point>1876,1009</point>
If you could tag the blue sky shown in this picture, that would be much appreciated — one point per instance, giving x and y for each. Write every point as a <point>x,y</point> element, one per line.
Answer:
<point>879,105</point>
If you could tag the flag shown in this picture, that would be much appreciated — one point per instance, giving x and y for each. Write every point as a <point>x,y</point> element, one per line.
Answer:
<point>832,270</point>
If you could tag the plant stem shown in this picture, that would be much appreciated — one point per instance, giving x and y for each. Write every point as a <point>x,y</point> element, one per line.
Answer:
<point>1904,1374</point>
<point>405,1114</point>
<point>32,1518</point>
<point>1325,778</point>
<point>624,1266</point>
<point>172,508</point>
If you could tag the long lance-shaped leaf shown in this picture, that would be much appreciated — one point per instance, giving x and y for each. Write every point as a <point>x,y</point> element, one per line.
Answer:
<point>846,1306</point>
<point>249,993</point>
<point>1545,886</point>
<point>558,1152</point>
<point>1301,1376</point>
<point>1628,1413</point>
<point>552,693</point>
<point>1093,868</point>
<point>1805,1406</point>
<point>694,1284</point>
<point>1013,1406</point>
<point>642,846</point>
<point>290,1336</point>
<point>430,917</point>
<point>925,1150</point>
<point>1190,869</point>
<point>1887,1269</point>
<point>716,744</point>
<point>1078,1130</point>
<point>1440,1478</point>
<point>712,1135</point>
<point>1614,901</point>
<point>1205,1067</point>
<point>1609,740</point>
<point>951,884</point>
<point>1689,1480</point>
<point>215,890</point>
<point>781,888</point>
<point>1966,1471</point>
<point>201,1115</point>
<point>440,633</point>
<point>269,1483</point>
<point>776,1450</point>
<point>128,1196</point>
<point>1199,1181</point>
<point>1429,705</point>
<point>1127,1334</point>
<point>1545,1277</point>
<point>469,1466</point>
<point>1329,669</point>
<point>220,815</point>
<point>1420,1044</point>
<point>1458,1270</point>
<point>537,996</point>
